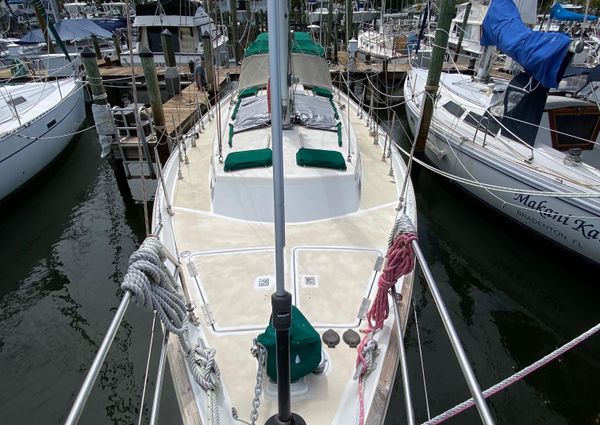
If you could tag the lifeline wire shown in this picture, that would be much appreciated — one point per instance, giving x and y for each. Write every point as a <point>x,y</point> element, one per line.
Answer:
<point>516,377</point>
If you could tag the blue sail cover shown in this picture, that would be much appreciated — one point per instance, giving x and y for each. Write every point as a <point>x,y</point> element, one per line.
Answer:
<point>541,54</point>
<point>69,30</point>
<point>561,14</point>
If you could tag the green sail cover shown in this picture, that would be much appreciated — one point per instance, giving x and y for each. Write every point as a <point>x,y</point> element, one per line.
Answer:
<point>247,92</point>
<point>303,43</point>
<point>305,347</point>
<point>320,91</point>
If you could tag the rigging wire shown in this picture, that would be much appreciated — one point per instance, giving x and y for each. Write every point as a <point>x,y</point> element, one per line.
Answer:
<point>146,373</point>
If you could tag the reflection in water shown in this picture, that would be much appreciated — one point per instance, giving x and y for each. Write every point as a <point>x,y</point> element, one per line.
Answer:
<point>72,234</point>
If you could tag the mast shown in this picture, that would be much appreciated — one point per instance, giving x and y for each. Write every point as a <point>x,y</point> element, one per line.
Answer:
<point>281,300</point>
<point>282,27</point>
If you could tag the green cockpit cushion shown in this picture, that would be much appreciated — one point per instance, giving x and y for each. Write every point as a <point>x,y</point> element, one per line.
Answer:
<point>320,158</point>
<point>253,158</point>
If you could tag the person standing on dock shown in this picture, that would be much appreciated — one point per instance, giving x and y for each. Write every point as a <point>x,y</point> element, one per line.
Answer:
<point>200,76</point>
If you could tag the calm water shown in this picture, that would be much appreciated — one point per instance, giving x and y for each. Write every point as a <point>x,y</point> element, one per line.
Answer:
<point>513,299</point>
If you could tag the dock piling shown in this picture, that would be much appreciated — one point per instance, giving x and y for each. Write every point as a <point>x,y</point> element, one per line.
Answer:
<point>208,60</point>
<point>433,76</point>
<point>171,73</point>
<point>147,58</point>
<point>96,47</point>
<point>117,44</point>
<point>105,125</point>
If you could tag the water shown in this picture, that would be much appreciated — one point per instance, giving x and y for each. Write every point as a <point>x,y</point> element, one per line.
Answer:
<point>65,251</point>
<point>512,297</point>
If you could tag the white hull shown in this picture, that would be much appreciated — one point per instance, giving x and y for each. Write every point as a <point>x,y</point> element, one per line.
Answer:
<point>25,152</point>
<point>573,223</point>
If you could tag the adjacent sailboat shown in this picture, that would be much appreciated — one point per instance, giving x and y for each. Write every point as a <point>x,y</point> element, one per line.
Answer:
<point>528,153</point>
<point>327,229</point>
<point>37,121</point>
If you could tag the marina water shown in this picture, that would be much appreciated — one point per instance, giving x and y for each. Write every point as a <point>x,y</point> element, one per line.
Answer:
<point>513,298</point>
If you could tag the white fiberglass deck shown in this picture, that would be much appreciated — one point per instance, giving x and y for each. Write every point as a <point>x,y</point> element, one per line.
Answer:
<point>329,270</point>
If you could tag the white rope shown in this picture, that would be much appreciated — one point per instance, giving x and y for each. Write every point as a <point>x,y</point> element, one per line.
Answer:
<point>58,137</point>
<point>154,288</point>
<point>207,374</point>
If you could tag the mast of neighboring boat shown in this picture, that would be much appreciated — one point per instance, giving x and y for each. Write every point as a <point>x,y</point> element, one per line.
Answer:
<point>425,16</point>
<point>281,300</point>
<point>41,13</point>
<point>463,28</point>
<point>382,13</point>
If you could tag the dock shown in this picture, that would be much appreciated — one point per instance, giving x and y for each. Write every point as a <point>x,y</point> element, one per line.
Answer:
<point>181,112</point>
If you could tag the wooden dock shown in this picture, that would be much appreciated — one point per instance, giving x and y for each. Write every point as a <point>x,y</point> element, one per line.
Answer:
<point>114,71</point>
<point>182,111</point>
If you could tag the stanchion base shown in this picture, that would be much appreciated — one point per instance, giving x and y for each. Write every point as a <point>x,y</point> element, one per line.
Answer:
<point>295,420</point>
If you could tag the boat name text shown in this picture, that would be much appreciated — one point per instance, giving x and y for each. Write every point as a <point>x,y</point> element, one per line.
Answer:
<point>586,229</point>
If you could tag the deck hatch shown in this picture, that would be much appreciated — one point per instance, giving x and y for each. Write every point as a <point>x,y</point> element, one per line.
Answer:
<point>343,278</point>
<point>235,280</point>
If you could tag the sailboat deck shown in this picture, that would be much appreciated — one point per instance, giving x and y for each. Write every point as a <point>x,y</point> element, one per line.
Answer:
<point>330,269</point>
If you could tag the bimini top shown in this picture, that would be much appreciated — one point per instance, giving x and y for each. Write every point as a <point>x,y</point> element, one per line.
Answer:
<point>307,65</point>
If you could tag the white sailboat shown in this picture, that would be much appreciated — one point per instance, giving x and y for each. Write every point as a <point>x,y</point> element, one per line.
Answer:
<point>531,155</point>
<point>216,210</point>
<point>37,121</point>
<point>386,44</point>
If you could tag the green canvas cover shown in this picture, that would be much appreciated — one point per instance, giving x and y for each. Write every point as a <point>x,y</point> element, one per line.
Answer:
<point>305,347</point>
<point>247,92</point>
<point>320,91</point>
<point>252,158</point>
<point>231,135</point>
<point>235,109</point>
<point>320,158</point>
<point>303,43</point>
<point>335,112</point>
